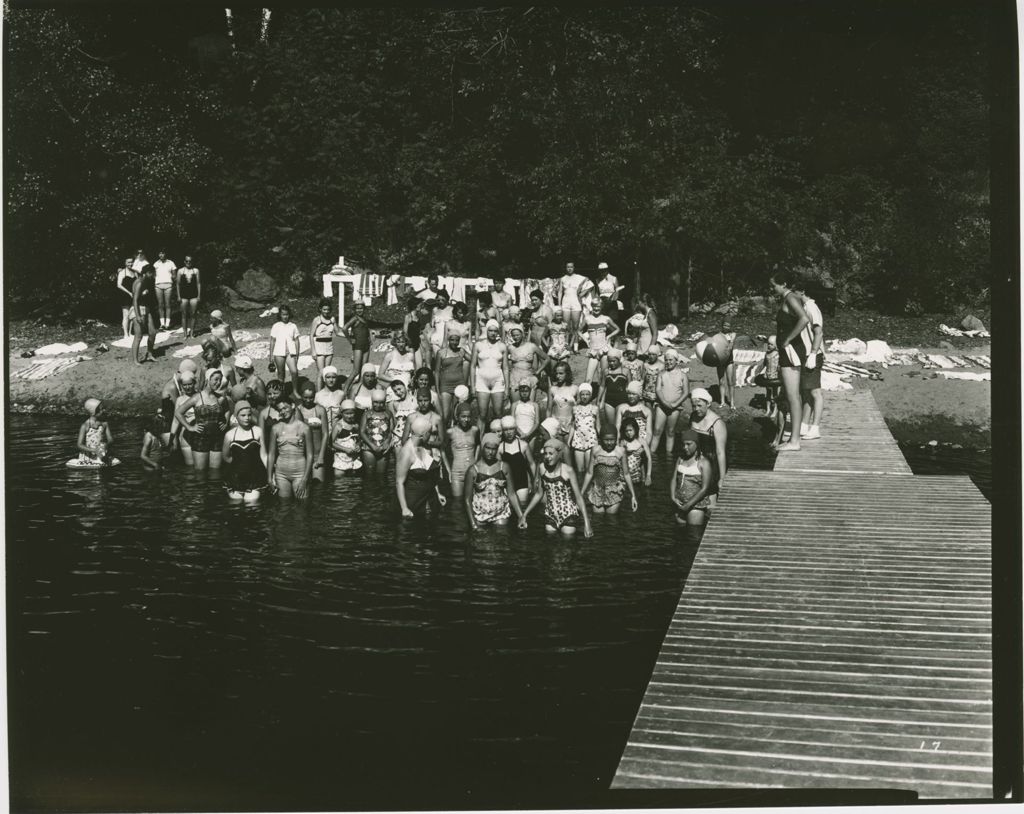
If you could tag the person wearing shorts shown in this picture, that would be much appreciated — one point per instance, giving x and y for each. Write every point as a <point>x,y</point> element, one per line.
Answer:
<point>166,273</point>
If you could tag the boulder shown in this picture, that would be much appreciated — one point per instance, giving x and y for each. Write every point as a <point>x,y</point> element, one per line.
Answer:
<point>258,286</point>
<point>971,323</point>
<point>239,303</point>
<point>727,308</point>
<point>946,345</point>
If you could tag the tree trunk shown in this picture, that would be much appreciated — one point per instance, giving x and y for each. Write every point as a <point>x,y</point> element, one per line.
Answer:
<point>229,20</point>
<point>689,281</point>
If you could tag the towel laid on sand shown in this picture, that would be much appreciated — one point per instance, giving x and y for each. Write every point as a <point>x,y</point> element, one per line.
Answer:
<point>59,347</point>
<point>966,374</point>
<point>44,369</point>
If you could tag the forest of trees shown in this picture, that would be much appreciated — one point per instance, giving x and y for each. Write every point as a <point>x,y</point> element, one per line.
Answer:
<point>847,139</point>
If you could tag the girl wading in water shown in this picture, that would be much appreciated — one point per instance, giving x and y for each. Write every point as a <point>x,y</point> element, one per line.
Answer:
<point>289,452</point>
<point>711,435</point>
<point>316,417</point>
<point>794,346</point>
<point>607,479</point>
<point>557,487</point>
<point>489,498</point>
<point>691,486</point>
<point>205,430</point>
<point>246,472</point>
<point>417,474</point>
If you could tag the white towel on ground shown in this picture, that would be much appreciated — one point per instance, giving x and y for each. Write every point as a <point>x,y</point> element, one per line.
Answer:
<point>59,347</point>
<point>187,351</point>
<point>966,374</point>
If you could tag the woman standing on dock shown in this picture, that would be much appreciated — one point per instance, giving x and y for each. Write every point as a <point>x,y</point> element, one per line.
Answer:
<point>794,349</point>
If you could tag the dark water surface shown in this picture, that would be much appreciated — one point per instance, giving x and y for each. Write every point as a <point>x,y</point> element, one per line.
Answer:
<point>170,651</point>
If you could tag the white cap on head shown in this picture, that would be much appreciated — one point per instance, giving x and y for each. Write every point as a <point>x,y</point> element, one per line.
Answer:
<point>330,370</point>
<point>602,265</point>
<point>187,377</point>
<point>614,353</point>
<point>635,387</point>
<point>700,393</point>
<point>508,423</point>
<point>347,404</point>
<point>552,425</point>
<point>368,367</point>
<point>495,425</point>
<point>461,392</point>
<point>630,344</point>
<point>492,325</point>
<point>187,364</point>
<point>216,313</point>
<point>378,395</point>
<point>585,387</point>
<point>671,353</point>
<point>243,362</point>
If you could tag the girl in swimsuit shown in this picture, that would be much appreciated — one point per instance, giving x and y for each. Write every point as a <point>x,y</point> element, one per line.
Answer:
<point>284,335</point>
<point>208,423</point>
<point>189,291</point>
<point>213,360</point>
<point>631,366</point>
<point>540,317</point>
<point>221,332</point>
<point>672,389</point>
<point>562,398</point>
<point>527,412</point>
<point>462,448</point>
<point>638,454</point>
<point>555,484</point>
<point>125,282</point>
<point>246,471</point>
<point>691,483</point>
<point>607,479</point>
<point>376,433</point>
<point>600,330</point>
<point>516,453</point>
<point>269,416</point>
<point>634,408</point>
<point>145,307</point>
<point>361,390</point>
<point>398,360</point>
<point>510,320</point>
<point>452,369</point>
<point>401,406</point>
<point>417,474</point>
<point>330,396</point>
<point>423,379</point>
<point>525,359</point>
<point>613,389</point>
<point>643,325</point>
<point>154,450</point>
<point>583,437</point>
<point>316,417</point>
<point>460,325</point>
<point>439,320</point>
<point>322,331</point>
<point>94,436</point>
<point>569,299</point>
<point>357,329</point>
<point>488,370</point>
<point>188,390</point>
<point>794,346</point>
<point>289,453</point>
<point>344,440</point>
<point>712,438</point>
<point>488,489</point>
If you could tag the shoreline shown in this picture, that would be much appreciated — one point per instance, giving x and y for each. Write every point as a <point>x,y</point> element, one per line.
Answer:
<point>917,409</point>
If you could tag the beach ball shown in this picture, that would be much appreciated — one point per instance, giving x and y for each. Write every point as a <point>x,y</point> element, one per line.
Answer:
<point>715,351</point>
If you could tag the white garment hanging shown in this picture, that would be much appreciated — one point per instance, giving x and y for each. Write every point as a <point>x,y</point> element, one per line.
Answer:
<point>458,289</point>
<point>392,284</point>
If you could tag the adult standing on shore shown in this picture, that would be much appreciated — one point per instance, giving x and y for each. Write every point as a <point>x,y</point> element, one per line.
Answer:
<point>810,373</point>
<point>568,293</point>
<point>126,278</point>
<point>144,303</point>
<point>488,371</point>
<point>794,348</point>
<point>189,293</point>
<point>608,291</point>
<point>166,273</point>
<point>284,335</point>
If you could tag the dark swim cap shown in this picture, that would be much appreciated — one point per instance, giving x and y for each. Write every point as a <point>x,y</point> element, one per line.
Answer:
<point>689,435</point>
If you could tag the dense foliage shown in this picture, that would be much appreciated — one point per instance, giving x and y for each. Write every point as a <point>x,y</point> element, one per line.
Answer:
<point>701,143</point>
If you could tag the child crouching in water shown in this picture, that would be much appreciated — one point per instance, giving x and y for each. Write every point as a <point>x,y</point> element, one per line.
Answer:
<point>94,437</point>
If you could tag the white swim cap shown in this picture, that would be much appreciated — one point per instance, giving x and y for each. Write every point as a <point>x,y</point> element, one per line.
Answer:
<point>461,392</point>
<point>369,367</point>
<point>700,393</point>
<point>187,364</point>
<point>585,387</point>
<point>508,423</point>
<point>243,362</point>
<point>552,425</point>
<point>330,370</point>
<point>347,404</point>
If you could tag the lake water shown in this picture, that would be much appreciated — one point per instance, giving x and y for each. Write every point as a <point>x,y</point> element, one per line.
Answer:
<point>170,651</point>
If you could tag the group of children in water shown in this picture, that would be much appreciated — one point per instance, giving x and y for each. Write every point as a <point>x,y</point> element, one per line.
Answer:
<point>437,401</point>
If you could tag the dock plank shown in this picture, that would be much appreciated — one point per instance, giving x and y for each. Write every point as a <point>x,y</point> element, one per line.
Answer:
<point>846,644</point>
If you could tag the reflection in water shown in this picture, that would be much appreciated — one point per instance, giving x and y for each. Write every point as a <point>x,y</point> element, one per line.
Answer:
<point>169,649</point>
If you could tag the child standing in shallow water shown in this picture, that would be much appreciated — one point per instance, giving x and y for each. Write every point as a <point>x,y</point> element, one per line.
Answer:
<point>94,436</point>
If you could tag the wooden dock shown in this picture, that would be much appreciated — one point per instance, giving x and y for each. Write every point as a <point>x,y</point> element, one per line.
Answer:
<point>834,632</point>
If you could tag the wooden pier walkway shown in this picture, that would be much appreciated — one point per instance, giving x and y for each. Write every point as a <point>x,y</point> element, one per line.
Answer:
<point>843,642</point>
